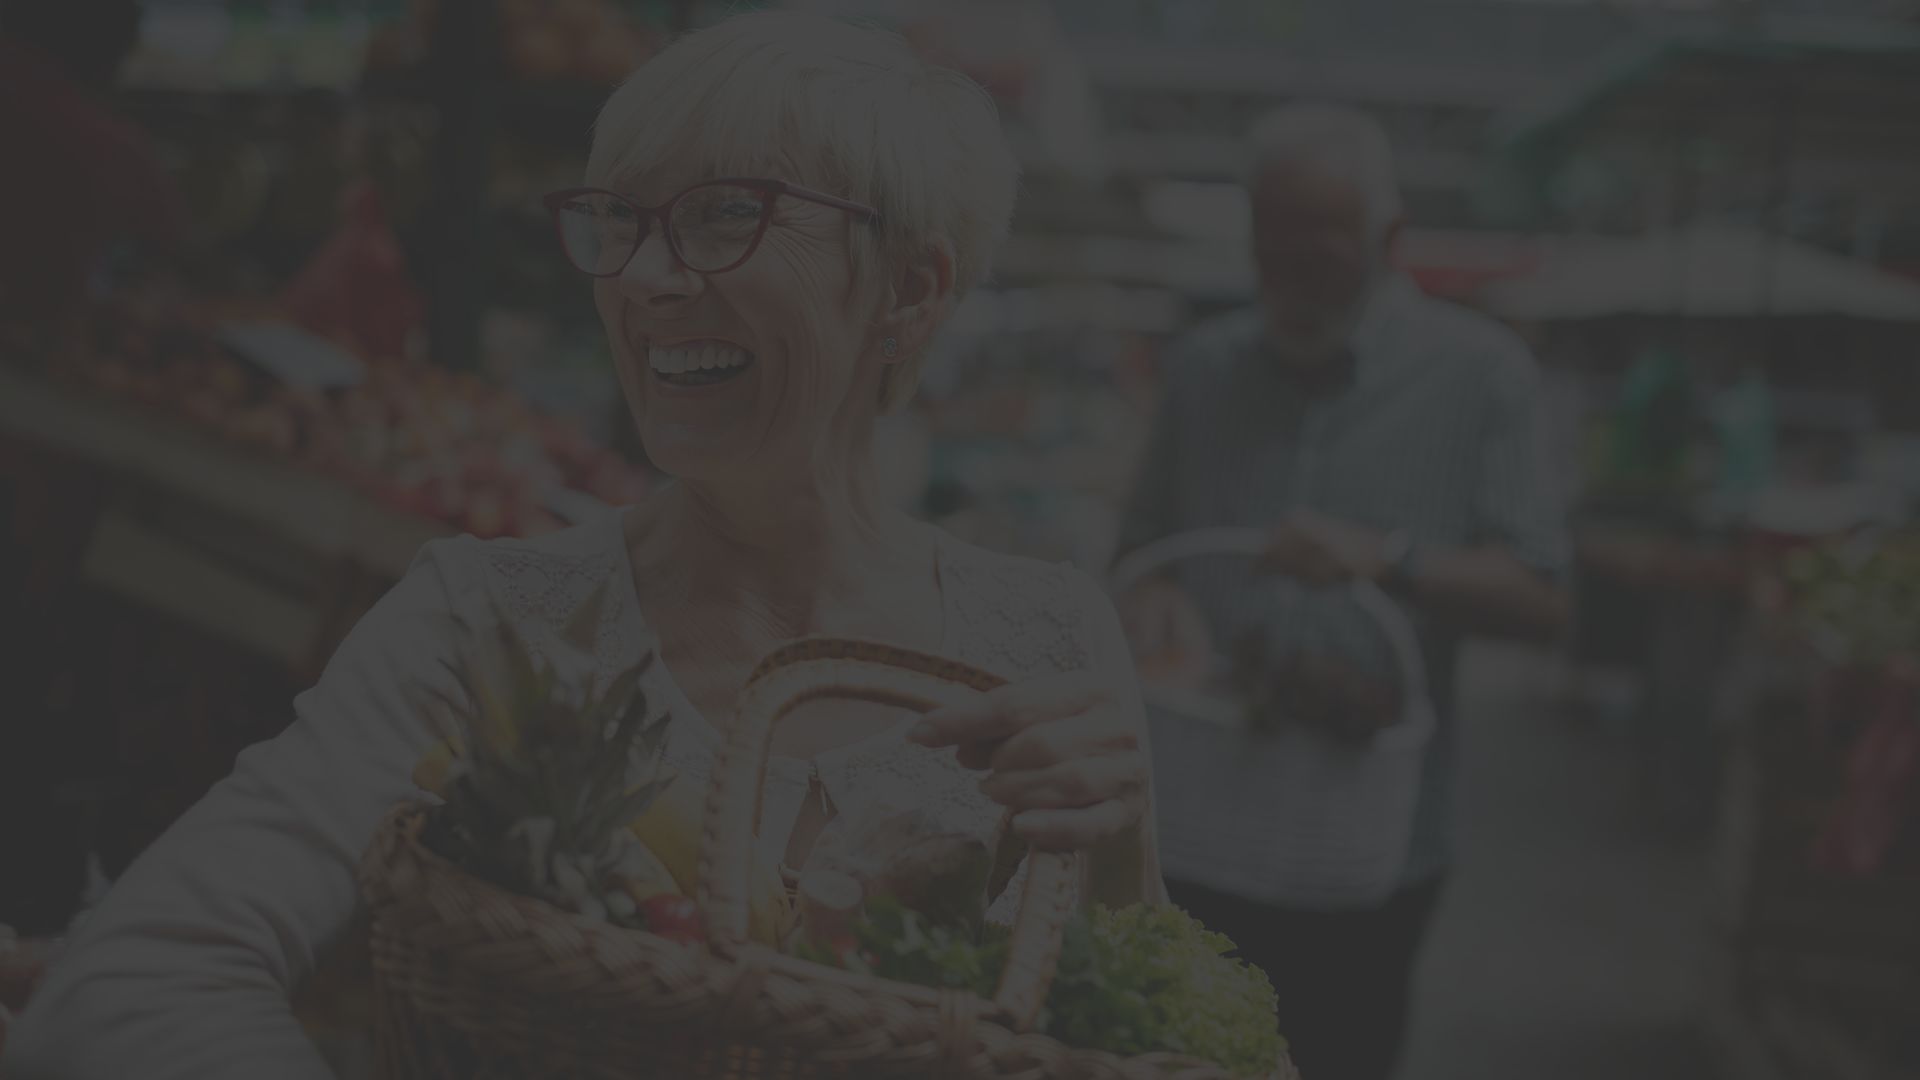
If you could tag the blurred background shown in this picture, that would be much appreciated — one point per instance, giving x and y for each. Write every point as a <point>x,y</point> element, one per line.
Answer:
<point>281,304</point>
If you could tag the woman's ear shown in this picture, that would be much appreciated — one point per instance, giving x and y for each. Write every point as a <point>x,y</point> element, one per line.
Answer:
<point>922,296</point>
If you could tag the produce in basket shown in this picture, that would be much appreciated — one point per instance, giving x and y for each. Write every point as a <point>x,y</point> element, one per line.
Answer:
<point>539,777</point>
<point>484,965</point>
<point>1139,980</point>
<point>480,980</point>
<point>669,834</point>
<point>555,791</point>
<point>908,854</point>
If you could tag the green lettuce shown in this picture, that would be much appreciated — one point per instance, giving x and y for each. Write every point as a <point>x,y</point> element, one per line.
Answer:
<point>1131,981</point>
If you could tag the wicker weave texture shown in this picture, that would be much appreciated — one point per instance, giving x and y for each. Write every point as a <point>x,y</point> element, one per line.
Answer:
<point>474,982</point>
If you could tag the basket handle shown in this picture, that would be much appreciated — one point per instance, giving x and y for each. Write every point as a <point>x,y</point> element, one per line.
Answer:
<point>1377,604</point>
<point>816,668</point>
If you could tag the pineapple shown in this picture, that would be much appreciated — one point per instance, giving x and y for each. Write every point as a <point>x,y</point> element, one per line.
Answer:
<point>542,772</point>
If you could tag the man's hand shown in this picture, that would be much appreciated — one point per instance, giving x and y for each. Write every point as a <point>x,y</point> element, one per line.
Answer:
<point>1325,551</point>
<point>1171,644</point>
<point>1314,689</point>
<point>1335,698</point>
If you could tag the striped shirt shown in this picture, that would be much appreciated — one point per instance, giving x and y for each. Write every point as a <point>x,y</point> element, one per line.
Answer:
<point>1433,425</point>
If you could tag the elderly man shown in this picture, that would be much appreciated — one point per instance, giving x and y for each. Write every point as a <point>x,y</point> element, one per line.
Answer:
<point>1379,435</point>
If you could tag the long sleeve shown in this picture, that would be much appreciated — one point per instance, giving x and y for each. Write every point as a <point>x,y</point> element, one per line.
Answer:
<point>186,970</point>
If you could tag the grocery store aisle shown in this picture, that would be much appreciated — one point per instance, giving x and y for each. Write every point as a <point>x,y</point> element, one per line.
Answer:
<point>1570,943</point>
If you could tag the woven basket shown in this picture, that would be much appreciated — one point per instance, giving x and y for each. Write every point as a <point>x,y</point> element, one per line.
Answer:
<point>473,982</point>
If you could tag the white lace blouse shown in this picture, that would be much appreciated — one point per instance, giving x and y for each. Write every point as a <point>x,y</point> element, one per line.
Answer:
<point>185,971</point>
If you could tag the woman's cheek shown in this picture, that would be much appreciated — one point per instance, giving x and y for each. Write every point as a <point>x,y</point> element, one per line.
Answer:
<point>799,264</point>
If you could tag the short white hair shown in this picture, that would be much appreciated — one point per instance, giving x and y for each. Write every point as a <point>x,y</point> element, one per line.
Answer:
<point>842,107</point>
<point>1336,142</point>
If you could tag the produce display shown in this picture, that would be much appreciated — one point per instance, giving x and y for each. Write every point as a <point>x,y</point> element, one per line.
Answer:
<point>560,795</point>
<point>590,41</point>
<point>1821,826</point>
<point>444,445</point>
<point>1857,601</point>
<point>1856,604</point>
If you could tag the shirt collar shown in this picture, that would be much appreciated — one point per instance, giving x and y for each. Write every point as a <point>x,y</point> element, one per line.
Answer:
<point>1370,340</point>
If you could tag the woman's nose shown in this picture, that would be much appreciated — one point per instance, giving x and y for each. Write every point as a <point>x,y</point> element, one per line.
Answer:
<point>656,278</point>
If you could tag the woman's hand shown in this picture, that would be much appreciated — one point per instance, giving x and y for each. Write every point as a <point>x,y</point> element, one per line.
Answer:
<point>1066,755</point>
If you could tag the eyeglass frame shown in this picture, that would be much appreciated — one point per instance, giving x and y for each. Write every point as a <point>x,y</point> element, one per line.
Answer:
<point>769,191</point>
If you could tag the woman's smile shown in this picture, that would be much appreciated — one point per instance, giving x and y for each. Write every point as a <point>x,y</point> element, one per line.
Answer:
<point>697,363</point>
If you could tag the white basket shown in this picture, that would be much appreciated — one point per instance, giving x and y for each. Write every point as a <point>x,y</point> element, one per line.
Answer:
<point>1336,818</point>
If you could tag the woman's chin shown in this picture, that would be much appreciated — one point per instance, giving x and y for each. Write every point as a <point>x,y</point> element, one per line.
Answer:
<point>691,451</point>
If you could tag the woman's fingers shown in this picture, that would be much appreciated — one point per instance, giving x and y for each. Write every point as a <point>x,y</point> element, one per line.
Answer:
<point>1069,785</point>
<point>976,756</point>
<point>1092,733</point>
<point>1013,708</point>
<point>1074,830</point>
<point>1089,734</point>
<point>1063,755</point>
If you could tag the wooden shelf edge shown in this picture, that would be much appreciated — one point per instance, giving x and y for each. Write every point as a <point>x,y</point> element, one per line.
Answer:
<point>318,513</point>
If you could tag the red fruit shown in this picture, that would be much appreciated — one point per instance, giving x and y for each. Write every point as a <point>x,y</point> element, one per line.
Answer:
<point>676,918</point>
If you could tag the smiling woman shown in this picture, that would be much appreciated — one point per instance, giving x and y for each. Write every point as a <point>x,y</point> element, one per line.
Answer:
<point>816,190</point>
<point>779,213</point>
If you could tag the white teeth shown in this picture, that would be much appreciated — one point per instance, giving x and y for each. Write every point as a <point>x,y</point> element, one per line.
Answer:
<point>700,356</point>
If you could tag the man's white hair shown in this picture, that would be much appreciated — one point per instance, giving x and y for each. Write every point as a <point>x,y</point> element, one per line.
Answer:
<point>844,108</point>
<point>1336,142</point>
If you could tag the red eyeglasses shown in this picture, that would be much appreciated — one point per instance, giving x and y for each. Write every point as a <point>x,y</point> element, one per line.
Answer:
<point>711,227</point>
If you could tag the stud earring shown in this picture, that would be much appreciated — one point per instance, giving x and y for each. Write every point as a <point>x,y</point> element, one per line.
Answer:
<point>890,348</point>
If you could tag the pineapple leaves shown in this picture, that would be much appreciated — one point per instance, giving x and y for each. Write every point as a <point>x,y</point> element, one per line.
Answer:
<point>550,769</point>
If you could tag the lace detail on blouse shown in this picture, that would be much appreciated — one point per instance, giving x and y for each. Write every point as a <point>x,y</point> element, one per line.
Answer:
<point>548,590</point>
<point>1014,617</point>
<point>545,592</point>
